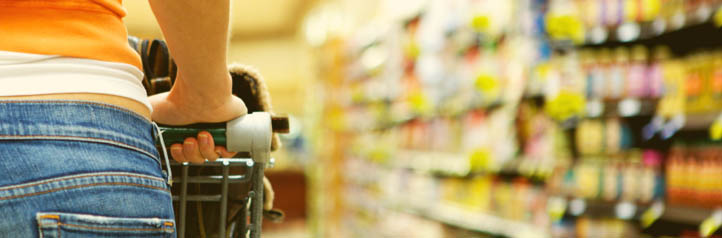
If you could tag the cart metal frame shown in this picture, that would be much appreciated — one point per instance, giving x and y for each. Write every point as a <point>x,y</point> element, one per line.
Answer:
<point>253,200</point>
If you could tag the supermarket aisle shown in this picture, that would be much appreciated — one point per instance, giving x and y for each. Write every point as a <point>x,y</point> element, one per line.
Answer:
<point>483,118</point>
<point>525,118</point>
<point>297,229</point>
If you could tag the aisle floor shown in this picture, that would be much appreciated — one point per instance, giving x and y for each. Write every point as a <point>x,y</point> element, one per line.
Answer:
<point>288,229</point>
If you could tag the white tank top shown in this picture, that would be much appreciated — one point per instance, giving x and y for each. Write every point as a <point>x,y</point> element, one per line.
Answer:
<point>23,74</point>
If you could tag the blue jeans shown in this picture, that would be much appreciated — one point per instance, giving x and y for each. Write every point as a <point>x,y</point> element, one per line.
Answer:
<point>80,169</point>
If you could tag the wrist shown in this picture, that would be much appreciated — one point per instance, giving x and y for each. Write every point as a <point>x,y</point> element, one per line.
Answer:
<point>191,99</point>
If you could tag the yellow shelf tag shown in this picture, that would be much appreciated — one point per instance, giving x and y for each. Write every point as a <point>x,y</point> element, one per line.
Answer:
<point>718,17</point>
<point>652,214</point>
<point>565,27</point>
<point>480,23</point>
<point>556,207</point>
<point>715,130</point>
<point>486,83</point>
<point>480,159</point>
<point>711,224</point>
<point>565,105</point>
<point>419,102</point>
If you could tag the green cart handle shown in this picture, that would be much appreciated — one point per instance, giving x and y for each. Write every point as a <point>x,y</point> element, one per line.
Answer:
<point>250,133</point>
<point>176,134</point>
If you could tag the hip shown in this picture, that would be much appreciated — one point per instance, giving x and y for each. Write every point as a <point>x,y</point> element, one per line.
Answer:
<point>80,167</point>
<point>118,101</point>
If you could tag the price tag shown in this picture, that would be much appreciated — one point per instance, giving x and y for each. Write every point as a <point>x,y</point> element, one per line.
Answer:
<point>625,210</point>
<point>419,102</point>
<point>565,105</point>
<point>412,49</point>
<point>628,31</point>
<point>556,207</point>
<point>718,17</point>
<point>595,108</point>
<point>711,224</point>
<point>486,83</point>
<point>565,27</point>
<point>629,107</point>
<point>577,207</point>
<point>651,9</point>
<point>480,23</point>
<point>598,35</point>
<point>480,159</point>
<point>715,130</point>
<point>652,214</point>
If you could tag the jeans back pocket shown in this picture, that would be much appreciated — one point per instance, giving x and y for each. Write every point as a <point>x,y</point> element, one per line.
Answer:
<point>70,225</point>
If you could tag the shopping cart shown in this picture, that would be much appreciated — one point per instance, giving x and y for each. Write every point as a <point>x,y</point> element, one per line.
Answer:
<point>228,191</point>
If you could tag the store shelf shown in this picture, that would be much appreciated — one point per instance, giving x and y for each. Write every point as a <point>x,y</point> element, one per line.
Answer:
<point>686,214</point>
<point>700,121</point>
<point>636,32</point>
<point>432,162</point>
<point>606,209</point>
<point>455,165</point>
<point>621,108</point>
<point>474,221</point>
<point>409,118</point>
<point>634,211</point>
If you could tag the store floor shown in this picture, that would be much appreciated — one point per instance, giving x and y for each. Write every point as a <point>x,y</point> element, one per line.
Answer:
<point>288,229</point>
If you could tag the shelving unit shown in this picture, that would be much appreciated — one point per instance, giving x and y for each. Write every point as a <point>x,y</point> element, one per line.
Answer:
<point>474,221</point>
<point>482,115</point>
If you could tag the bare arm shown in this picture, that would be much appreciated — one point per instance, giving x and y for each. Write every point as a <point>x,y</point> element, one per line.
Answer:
<point>197,35</point>
<point>196,32</point>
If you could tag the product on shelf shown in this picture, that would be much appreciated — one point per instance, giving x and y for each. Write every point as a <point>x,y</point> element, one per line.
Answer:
<point>481,115</point>
<point>694,176</point>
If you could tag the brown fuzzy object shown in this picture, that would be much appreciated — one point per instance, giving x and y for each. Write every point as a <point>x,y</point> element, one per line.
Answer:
<point>248,85</point>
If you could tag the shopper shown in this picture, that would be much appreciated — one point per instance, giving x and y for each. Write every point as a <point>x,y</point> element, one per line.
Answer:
<point>77,154</point>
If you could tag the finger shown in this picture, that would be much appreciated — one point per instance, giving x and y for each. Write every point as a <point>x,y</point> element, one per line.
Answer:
<point>176,151</point>
<point>220,150</point>
<point>268,194</point>
<point>191,152</point>
<point>207,146</point>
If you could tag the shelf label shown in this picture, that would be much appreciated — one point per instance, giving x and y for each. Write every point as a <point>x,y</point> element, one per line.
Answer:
<point>565,27</point>
<point>629,107</point>
<point>711,224</point>
<point>652,214</point>
<point>480,160</point>
<point>718,17</point>
<point>556,207</point>
<point>566,105</point>
<point>625,210</point>
<point>480,23</point>
<point>715,130</point>
<point>595,108</point>
<point>577,207</point>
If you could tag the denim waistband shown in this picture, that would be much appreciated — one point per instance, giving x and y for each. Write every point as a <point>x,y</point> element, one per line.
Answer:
<point>77,121</point>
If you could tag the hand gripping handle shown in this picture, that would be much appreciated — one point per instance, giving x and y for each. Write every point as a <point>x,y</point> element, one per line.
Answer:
<point>250,133</point>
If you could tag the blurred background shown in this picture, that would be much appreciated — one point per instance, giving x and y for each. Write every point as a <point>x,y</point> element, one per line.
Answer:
<point>482,118</point>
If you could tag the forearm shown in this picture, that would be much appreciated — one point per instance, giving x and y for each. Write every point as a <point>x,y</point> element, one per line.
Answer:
<point>197,35</point>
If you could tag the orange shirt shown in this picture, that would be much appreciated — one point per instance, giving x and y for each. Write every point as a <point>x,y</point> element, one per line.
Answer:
<point>90,29</point>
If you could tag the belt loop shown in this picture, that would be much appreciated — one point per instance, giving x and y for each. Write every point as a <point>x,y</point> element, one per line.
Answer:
<point>159,134</point>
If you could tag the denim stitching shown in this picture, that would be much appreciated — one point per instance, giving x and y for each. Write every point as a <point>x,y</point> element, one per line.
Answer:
<point>114,174</point>
<point>80,138</point>
<point>114,228</point>
<point>83,186</point>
